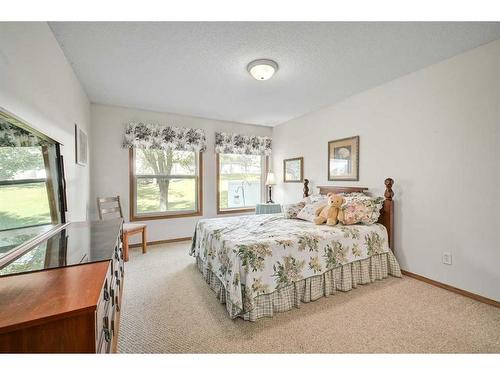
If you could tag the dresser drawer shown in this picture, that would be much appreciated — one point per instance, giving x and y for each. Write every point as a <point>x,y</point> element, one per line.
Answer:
<point>117,263</point>
<point>108,310</point>
<point>104,304</point>
<point>107,333</point>
<point>115,294</point>
<point>102,307</point>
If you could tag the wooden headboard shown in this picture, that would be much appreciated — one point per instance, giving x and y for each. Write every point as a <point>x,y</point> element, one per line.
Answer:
<point>386,212</point>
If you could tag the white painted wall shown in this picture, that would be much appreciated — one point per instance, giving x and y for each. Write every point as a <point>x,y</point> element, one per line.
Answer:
<point>437,133</point>
<point>110,167</point>
<point>38,85</point>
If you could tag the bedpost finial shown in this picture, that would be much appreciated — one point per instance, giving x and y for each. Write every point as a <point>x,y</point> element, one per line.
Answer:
<point>306,188</point>
<point>388,188</point>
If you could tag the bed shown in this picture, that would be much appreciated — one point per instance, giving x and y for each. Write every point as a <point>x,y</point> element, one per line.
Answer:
<point>259,265</point>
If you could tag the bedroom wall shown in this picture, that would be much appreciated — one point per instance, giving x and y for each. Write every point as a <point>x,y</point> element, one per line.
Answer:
<point>110,163</point>
<point>38,85</point>
<point>437,133</point>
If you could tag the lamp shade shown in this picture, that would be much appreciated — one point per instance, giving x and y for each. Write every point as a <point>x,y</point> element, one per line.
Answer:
<point>270,179</point>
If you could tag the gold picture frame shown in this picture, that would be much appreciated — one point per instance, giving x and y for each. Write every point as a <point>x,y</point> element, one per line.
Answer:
<point>343,159</point>
<point>293,170</point>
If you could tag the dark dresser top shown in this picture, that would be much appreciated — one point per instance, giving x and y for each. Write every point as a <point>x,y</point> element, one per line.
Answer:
<point>78,243</point>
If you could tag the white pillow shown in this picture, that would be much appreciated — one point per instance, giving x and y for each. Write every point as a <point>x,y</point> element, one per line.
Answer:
<point>308,213</point>
<point>313,198</point>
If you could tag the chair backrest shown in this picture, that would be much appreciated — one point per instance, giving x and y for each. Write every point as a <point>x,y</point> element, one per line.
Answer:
<point>109,208</point>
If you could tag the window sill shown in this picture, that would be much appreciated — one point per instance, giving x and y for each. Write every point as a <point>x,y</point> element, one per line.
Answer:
<point>167,216</point>
<point>235,211</point>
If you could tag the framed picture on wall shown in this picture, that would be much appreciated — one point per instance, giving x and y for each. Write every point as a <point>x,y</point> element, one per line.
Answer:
<point>80,146</point>
<point>293,170</point>
<point>343,159</point>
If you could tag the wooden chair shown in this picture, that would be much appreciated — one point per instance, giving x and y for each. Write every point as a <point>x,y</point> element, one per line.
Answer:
<point>111,208</point>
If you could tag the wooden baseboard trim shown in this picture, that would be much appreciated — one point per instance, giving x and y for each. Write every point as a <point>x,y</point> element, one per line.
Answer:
<point>170,240</point>
<point>465,293</point>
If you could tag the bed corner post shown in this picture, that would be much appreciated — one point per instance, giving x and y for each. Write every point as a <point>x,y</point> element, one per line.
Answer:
<point>387,212</point>
<point>306,188</point>
<point>388,194</point>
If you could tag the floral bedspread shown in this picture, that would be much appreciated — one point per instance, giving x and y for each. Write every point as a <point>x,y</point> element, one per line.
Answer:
<point>258,254</point>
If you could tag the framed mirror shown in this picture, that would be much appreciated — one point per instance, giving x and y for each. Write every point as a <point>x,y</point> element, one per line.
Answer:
<point>293,170</point>
<point>343,159</point>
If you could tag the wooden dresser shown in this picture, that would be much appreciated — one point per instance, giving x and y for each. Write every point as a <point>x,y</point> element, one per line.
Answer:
<point>68,295</point>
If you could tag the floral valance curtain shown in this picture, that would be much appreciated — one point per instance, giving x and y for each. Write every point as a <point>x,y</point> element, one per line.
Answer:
<point>229,143</point>
<point>14,136</point>
<point>155,136</point>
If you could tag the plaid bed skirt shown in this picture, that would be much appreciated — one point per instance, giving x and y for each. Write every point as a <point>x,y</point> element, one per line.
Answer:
<point>342,278</point>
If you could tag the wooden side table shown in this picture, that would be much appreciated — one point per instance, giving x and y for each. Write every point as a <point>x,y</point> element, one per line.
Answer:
<point>267,208</point>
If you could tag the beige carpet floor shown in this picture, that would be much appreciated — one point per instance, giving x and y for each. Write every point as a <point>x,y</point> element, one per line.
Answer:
<point>168,308</point>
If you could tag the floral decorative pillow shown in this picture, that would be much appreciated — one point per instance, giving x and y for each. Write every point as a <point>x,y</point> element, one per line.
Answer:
<point>292,210</point>
<point>360,210</point>
<point>354,194</point>
<point>308,213</point>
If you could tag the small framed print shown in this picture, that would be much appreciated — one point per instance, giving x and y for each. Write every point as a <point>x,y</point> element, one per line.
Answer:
<point>293,170</point>
<point>343,159</point>
<point>80,146</point>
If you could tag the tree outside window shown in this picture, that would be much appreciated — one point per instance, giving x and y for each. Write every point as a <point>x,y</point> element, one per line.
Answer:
<point>166,182</point>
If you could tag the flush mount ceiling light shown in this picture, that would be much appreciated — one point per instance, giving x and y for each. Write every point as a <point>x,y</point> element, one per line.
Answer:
<point>262,69</point>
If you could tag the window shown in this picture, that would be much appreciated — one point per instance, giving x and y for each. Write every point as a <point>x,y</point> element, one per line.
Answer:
<point>240,182</point>
<point>165,183</point>
<point>30,184</point>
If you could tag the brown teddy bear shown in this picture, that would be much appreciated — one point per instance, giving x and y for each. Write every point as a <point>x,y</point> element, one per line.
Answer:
<point>330,212</point>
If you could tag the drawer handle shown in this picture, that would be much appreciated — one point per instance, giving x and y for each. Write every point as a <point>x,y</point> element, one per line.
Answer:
<point>107,335</point>
<point>106,295</point>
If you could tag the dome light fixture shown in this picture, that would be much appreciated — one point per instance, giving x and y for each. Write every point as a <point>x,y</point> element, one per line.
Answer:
<point>262,69</point>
